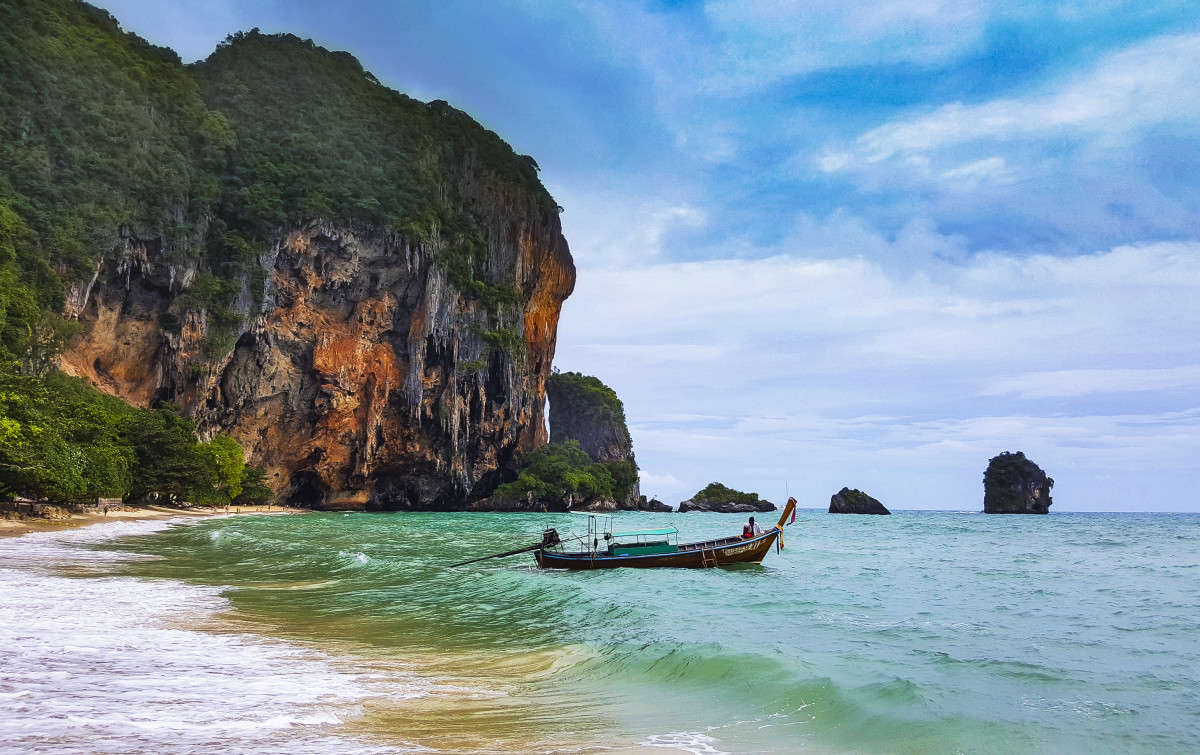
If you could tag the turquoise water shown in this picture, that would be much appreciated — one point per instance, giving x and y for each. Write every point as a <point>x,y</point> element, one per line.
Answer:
<point>919,632</point>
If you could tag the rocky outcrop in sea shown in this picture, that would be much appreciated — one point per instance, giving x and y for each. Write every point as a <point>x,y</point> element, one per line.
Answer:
<point>847,501</point>
<point>718,498</point>
<point>653,504</point>
<point>1013,484</point>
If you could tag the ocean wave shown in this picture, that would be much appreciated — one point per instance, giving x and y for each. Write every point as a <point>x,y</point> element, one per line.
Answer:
<point>105,663</point>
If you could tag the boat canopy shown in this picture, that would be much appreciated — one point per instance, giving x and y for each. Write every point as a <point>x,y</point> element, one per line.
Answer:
<point>633,533</point>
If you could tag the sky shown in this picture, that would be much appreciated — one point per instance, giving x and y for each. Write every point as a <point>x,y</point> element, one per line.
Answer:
<point>826,244</point>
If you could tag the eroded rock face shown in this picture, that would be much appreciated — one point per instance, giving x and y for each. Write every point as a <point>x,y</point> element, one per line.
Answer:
<point>1013,484</point>
<point>584,409</point>
<point>847,501</point>
<point>363,379</point>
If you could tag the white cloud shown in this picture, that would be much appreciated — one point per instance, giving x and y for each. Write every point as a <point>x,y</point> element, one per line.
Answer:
<point>823,372</point>
<point>614,229</point>
<point>651,482</point>
<point>1085,382</point>
<point>1152,83</point>
<point>762,41</point>
<point>989,168</point>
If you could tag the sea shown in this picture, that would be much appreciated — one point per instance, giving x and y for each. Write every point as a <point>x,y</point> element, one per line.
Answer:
<point>922,632</point>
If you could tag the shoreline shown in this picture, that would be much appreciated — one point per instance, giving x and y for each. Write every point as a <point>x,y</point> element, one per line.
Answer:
<point>18,527</point>
<point>327,695</point>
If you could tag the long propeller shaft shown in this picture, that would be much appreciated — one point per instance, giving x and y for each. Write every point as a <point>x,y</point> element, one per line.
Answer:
<point>549,539</point>
<point>498,555</point>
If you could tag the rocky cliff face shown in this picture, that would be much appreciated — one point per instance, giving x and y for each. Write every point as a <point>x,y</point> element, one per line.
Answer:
<point>847,501</point>
<point>363,379</point>
<point>584,409</point>
<point>1013,484</point>
<point>361,288</point>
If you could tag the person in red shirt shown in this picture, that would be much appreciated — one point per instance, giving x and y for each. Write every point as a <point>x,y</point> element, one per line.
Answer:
<point>751,529</point>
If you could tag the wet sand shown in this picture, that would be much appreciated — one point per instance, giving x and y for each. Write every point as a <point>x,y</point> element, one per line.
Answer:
<point>15,527</point>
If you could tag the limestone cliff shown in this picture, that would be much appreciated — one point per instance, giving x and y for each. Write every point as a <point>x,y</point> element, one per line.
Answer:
<point>364,379</point>
<point>584,409</point>
<point>373,317</point>
<point>587,466</point>
<point>1013,484</point>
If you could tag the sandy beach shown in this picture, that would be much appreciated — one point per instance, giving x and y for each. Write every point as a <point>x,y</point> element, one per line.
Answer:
<point>16,527</point>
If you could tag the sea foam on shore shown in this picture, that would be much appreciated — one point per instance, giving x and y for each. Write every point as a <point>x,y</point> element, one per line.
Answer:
<point>107,664</point>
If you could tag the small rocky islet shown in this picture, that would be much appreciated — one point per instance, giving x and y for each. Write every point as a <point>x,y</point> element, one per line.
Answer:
<point>718,498</point>
<point>847,501</point>
<point>1014,484</point>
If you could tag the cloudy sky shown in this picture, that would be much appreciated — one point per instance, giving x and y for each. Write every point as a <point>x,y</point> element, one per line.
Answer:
<point>843,243</point>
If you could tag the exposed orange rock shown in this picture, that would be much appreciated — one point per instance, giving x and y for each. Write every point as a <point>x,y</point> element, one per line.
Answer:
<point>364,380</point>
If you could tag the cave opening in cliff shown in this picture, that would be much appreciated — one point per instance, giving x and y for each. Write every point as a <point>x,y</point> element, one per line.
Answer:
<point>307,491</point>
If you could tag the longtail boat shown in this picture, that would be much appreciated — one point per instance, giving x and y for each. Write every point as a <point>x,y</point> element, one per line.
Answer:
<point>605,549</point>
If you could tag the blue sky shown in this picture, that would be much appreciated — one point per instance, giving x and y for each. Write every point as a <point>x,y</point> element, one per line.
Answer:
<point>840,243</point>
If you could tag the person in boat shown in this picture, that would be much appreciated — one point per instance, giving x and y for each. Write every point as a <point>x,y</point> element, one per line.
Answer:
<point>750,529</point>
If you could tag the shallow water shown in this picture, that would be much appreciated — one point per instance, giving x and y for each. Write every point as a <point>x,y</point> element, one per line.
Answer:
<point>920,632</point>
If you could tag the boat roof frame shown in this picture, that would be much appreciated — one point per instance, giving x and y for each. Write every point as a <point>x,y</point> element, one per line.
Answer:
<point>658,531</point>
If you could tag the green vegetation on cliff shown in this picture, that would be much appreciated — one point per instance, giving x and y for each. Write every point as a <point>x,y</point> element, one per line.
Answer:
<point>591,399</point>
<point>108,142</point>
<point>319,137</point>
<point>558,471</point>
<point>100,133</point>
<point>586,413</point>
<point>715,492</point>
<point>105,137</point>
<point>63,441</point>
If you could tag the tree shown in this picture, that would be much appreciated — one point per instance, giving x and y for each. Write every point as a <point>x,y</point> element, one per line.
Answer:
<point>254,488</point>
<point>226,454</point>
<point>169,461</point>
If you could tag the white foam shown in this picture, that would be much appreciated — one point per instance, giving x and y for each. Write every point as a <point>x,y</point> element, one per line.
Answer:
<point>685,741</point>
<point>104,663</point>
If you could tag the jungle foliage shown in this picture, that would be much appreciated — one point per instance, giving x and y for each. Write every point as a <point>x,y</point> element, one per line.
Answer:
<point>106,138</point>
<point>558,471</point>
<point>63,441</point>
<point>715,492</point>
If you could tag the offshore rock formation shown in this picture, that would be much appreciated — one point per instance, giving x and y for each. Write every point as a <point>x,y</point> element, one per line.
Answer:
<point>1013,484</point>
<point>847,501</point>
<point>588,464</point>
<point>718,498</point>
<point>653,504</point>
<point>584,409</point>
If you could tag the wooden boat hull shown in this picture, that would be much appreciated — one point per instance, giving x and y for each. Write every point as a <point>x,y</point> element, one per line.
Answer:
<point>723,552</point>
